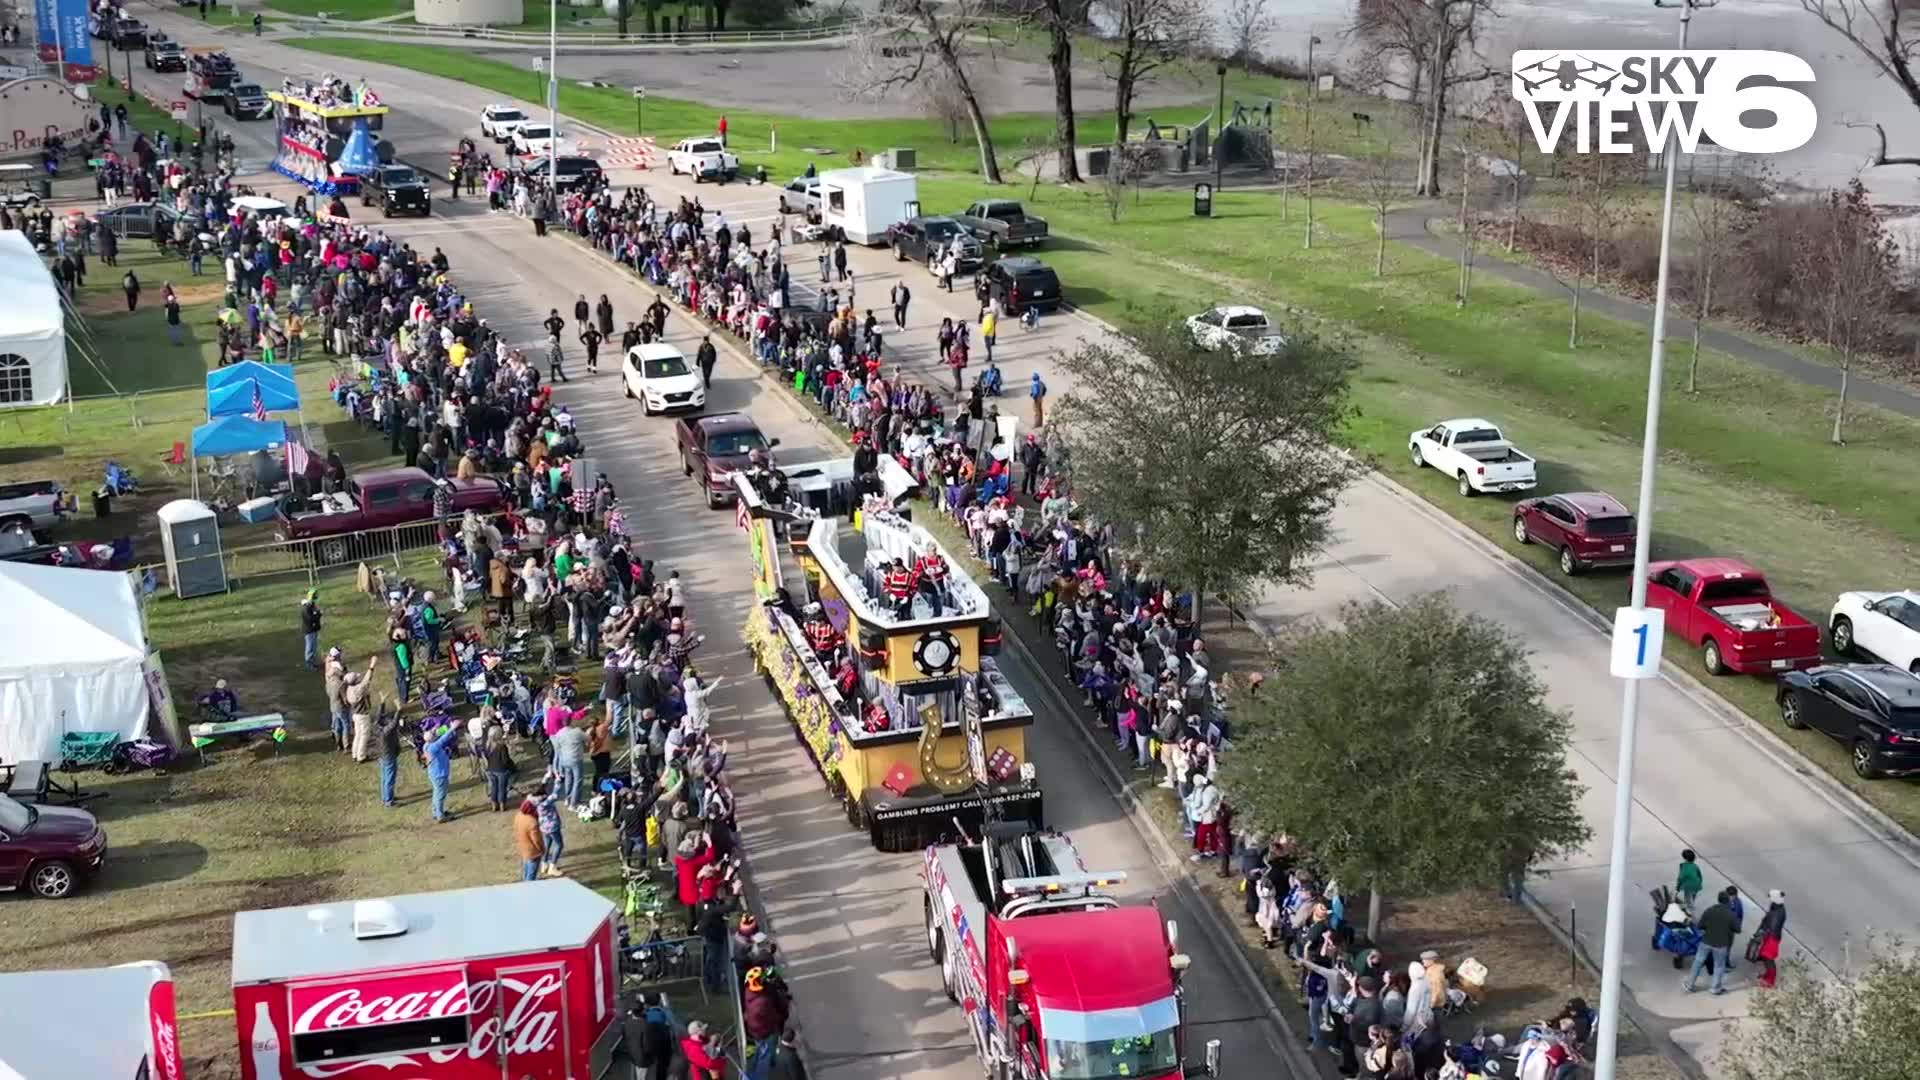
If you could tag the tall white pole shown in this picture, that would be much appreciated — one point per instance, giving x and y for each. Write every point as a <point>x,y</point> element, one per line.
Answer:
<point>1606,1040</point>
<point>553,93</point>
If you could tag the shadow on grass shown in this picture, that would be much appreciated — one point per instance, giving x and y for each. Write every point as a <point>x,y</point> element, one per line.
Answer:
<point>21,455</point>
<point>152,862</point>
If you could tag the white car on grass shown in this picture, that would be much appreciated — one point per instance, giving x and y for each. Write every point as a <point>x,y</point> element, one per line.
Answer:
<point>659,375</point>
<point>1881,624</point>
<point>1237,326</point>
<point>499,121</point>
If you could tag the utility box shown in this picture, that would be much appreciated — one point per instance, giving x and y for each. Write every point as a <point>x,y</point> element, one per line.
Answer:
<point>901,157</point>
<point>190,537</point>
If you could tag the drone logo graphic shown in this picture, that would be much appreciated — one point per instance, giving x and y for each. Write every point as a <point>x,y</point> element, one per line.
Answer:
<point>1567,73</point>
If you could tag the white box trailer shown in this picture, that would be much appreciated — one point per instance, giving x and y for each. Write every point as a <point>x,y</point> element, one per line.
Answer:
<point>865,202</point>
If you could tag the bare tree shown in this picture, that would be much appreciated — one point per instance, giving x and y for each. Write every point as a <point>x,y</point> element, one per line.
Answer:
<point>1878,31</point>
<point>1248,24</point>
<point>1433,40</point>
<point>1597,181</point>
<point>1384,188</point>
<point>1507,126</point>
<point>1307,187</point>
<point>899,43</point>
<point>1711,211</point>
<point>1144,36</point>
<point>1473,173</point>
<point>940,103</point>
<point>1853,268</point>
<point>1061,18</point>
<point>1125,167</point>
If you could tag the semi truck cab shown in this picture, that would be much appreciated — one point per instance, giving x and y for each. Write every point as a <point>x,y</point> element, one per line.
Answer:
<point>1058,979</point>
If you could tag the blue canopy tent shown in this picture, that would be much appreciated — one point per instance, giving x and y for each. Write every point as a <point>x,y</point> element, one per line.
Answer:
<point>231,435</point>
<point>230,389</point>
<point>248,369</point>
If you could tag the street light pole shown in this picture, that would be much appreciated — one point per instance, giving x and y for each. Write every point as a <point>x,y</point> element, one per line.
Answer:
<point>553,93</point>
<point>1605,1041</point>
<point>1312,40</point>
<point>1220,127</point>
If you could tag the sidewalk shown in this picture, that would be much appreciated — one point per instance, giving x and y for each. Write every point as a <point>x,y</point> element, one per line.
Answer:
<point>1408,225</point>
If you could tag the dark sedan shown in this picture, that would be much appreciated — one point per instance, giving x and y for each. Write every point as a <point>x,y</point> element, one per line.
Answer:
<point>1872,709</point>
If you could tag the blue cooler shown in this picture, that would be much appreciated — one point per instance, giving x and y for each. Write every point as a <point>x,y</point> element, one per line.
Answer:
<point>255,511</point>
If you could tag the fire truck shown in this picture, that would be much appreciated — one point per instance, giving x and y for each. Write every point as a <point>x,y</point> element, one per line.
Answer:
<point>1057,978</point>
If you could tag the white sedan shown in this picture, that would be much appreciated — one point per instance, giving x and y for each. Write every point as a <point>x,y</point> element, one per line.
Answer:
<point>1884,624</point>
<point>658,374</point>
<point>1238,326</point>
<point>499,121</point>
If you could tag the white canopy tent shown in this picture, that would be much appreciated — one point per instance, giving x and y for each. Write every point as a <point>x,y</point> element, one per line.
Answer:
<point>72,658</point>
<point>33,329</point>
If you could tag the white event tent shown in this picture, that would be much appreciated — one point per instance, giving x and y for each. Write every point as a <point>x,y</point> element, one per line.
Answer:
<point>71,658</point>
<point>33,331</point>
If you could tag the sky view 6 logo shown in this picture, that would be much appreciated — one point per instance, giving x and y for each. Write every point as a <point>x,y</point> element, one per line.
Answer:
<point>1734,98</point>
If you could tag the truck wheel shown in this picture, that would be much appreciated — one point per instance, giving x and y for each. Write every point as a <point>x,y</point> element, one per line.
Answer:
<point>898,255</point>
<point>1419,459</point>
<point>1568,564</point>
<point>1466,486</point>
<point>1843,636</point>
<point>1710,658</point>
<point>1519,528</point>
<point>936,947</point>
<point>686,467</point>
<point>331,552</point>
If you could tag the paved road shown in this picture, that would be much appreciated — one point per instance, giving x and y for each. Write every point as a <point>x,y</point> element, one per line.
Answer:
<point>1409,226</point>
<point>1705,780</point>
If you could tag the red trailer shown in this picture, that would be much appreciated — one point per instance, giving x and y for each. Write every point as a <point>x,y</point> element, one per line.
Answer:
<point>506,981</point>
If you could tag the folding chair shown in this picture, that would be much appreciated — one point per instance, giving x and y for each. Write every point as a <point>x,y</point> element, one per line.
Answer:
<point>174,460</point>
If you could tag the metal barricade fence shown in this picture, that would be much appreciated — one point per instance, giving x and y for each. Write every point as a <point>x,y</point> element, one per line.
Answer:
<point>677,967</point>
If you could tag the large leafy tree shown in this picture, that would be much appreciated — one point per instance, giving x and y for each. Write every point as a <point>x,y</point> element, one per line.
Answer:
<point>1412,749</point>
<point>1860,1025</point>
<point>1217,465</point>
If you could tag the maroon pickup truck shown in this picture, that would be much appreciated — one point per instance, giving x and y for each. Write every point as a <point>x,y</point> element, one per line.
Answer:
<point>384,497</point>
<point>1725,609</point>
<point>714,446</point>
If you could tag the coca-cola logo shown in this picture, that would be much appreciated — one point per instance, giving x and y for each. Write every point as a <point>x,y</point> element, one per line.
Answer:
<point>387,1001</point>
<point>527,1023</point>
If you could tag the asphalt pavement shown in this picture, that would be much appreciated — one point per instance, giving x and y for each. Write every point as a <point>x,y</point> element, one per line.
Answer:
<point>1707,778</point>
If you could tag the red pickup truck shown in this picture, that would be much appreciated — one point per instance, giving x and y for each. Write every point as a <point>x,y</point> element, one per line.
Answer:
<point>385,497</point>
<point>1724,608</point>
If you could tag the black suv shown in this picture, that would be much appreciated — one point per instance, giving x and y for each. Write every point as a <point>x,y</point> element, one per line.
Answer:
<point>396,189</point>
<point>164,55</point>
<point>245,101</point>
<point>1022,282</point>
<point>574,172</point>
<point>129,34</point>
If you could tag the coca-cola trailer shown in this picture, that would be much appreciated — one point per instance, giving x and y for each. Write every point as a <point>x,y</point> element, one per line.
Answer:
<point>505,982</point>
<point>114,1023</point>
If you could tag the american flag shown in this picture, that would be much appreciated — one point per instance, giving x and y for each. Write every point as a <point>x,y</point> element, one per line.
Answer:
<point>259,411</point>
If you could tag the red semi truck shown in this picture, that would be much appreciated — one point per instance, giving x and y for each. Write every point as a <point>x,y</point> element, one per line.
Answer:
<point>1057,978</point>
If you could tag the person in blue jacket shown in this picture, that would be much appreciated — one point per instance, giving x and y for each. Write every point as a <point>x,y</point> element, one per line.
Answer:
<point>440,767</point>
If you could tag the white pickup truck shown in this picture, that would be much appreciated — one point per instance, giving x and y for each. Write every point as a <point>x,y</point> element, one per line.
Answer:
<point>35,505</point>
<point>1475,453</point>
<point>704,158</point>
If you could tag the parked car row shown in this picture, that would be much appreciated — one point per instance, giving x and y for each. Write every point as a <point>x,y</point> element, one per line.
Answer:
<point>1722,607</point>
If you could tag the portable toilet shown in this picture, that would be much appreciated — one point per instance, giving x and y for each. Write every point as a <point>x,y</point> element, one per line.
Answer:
<point>190,535</point>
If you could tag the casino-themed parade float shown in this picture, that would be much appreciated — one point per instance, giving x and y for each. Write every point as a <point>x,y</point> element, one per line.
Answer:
<point>329,134</point>
<point>882,650</point>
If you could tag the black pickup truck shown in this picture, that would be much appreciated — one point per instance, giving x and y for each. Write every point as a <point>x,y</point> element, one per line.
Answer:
<point>925,239</point>
<point>396,189</point>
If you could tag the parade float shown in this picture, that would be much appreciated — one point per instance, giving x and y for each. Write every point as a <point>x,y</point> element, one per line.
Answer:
<point>905,713</point>
<point>328,134</point>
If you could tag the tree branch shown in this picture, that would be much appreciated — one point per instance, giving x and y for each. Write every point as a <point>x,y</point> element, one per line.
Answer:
<point>1880,157</point>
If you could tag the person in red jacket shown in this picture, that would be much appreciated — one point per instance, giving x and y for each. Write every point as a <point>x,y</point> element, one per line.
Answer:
<point>695,852</point>
<point>898,583</point>
<point>764,1013</point>
<point>702,1053</point>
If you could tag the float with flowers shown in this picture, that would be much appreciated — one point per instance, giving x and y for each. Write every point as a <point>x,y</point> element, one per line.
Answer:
<point>899,701</point>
